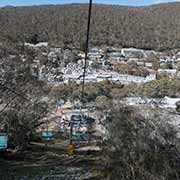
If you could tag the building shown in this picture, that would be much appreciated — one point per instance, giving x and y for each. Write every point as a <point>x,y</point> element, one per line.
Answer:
<point>95,54</point>
<point>116,56</point>
<point>133,53</point>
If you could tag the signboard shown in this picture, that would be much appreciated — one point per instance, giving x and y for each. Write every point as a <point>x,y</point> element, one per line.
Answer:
<point>3,141</point>
<point>47,134</point>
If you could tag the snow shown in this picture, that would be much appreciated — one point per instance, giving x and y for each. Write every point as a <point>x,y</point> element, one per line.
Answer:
<point>41,44</point>
<point>165,102</point>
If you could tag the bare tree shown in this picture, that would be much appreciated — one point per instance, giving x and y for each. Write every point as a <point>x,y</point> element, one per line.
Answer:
<point>138,148</point>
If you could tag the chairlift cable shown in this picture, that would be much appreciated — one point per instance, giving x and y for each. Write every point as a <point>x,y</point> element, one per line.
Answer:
<point>86,48</point>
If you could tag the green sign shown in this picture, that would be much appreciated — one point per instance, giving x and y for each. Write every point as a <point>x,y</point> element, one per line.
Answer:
<point>47,134</point>
<point>3,141</point>
<point>82,137</point>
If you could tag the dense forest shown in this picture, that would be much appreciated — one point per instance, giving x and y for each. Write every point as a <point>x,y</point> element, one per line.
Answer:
<point>153,27</point>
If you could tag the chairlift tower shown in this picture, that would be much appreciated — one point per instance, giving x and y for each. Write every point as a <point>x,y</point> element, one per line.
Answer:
<point>70,147</point>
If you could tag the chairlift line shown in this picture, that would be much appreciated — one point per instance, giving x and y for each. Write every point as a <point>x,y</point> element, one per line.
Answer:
<point>87,46</point>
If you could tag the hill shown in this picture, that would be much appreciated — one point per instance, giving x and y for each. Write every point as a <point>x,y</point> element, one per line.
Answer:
<point>153,27</point>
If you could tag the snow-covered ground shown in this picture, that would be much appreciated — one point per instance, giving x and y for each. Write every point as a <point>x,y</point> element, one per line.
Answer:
<point>163,103</point>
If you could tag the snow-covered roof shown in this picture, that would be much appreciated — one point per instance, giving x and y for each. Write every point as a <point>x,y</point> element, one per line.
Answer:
<point>168,71</point>
<point>133,52</point>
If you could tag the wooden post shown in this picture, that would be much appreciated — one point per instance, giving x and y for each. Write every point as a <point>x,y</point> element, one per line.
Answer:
<point>71,133</point>
<point>70,145</point>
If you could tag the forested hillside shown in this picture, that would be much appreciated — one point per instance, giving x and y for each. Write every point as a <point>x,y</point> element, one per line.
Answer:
<point>154,27</point>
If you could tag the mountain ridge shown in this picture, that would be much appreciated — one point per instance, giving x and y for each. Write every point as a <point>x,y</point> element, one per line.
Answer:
<point>148,27</point>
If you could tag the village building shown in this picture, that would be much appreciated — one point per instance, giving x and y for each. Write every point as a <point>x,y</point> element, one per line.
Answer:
<point>169,72</point>
<point>95,54</point>
<point>133,53</point>
<point>116,56</point>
